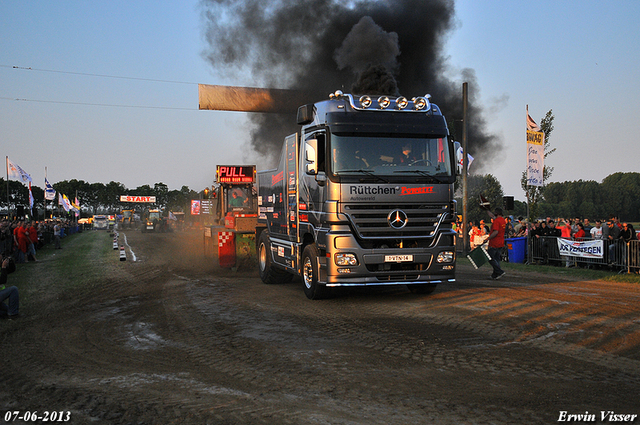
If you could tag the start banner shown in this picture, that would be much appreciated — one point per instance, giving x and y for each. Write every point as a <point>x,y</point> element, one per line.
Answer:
<point>133,198</point>
<point>584,249</point>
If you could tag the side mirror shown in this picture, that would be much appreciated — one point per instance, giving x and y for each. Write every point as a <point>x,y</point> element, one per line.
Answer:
<point>311,156</point>
<point>459,155</point>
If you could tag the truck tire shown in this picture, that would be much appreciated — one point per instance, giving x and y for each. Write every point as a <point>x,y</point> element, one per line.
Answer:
<point>268,273</point>
<point>427,288</point>
<point>312,289</point>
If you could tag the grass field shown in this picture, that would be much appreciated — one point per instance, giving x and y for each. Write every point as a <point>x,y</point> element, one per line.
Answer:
<point>60,273</point>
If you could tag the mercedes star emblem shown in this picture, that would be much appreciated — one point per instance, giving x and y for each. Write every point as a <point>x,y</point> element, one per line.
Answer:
<point>397,219</point>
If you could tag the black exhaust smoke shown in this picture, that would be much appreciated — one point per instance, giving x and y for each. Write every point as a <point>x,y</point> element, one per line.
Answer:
<point>319,46</point>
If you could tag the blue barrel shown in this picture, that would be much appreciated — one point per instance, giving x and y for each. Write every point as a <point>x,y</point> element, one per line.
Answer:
<point>516,248</point>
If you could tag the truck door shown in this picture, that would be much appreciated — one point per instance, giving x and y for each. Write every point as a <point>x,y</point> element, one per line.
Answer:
<point>291,186</point>
<point>311,191</point>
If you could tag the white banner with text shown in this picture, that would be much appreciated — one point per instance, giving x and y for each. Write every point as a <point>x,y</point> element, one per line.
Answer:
<point>583,249</point>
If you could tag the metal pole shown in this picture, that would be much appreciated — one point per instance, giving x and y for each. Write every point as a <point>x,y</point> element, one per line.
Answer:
<point>465,165</point>
<point>7,165</point>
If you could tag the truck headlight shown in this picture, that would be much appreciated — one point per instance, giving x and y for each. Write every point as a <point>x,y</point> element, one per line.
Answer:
<point>445,257</point>
<point>346,259</point>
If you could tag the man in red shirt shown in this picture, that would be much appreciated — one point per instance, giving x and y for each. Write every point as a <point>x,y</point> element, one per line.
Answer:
<point>496,242</point>
<point>32,242</point>
<point>21,240</point>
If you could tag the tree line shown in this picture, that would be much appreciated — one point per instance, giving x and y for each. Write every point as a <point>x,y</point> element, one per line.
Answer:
<point>618,194</point>
<point>94,198</point>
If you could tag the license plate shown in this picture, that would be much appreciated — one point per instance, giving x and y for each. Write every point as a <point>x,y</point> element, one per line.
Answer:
<point>150,227</point>
<point>397,258</point>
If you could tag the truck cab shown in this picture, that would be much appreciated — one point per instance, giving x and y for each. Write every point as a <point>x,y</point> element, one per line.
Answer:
<point>363,196</point>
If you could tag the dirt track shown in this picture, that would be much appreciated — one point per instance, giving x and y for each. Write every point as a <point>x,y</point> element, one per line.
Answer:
<point>169,338</point>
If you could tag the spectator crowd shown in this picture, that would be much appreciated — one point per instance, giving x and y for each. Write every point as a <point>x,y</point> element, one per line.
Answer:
<point>20,241</point>
<point>620,251</point>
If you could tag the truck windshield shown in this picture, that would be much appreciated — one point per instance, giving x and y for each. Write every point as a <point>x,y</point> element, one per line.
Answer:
<point>390,156</point>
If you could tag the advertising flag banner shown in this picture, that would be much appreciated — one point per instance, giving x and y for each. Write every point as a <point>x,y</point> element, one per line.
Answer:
<point>68,205</point>
<point>535,158</point>
<point>75,206</point>
<point>535,153</point>
<point>61,202</point>
<point>15,172</point>
<point>582,249</point>
<point>49,191</point>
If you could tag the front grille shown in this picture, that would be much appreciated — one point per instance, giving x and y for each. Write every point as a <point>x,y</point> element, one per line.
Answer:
<point>371,221</point>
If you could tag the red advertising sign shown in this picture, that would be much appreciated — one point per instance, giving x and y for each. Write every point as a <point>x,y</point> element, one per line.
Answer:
<point>195,207</point>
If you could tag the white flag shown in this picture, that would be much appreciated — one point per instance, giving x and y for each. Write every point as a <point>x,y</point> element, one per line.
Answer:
<point>49,191</point>
<point>461,156</point>
<point>62,202</point>
<point>15,172</point>
<point>30,198</point>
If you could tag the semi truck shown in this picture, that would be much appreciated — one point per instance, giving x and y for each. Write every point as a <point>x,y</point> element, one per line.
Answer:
<point>362,196</point>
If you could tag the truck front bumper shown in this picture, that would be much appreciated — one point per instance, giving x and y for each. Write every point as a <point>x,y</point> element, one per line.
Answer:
<point>387,266</point>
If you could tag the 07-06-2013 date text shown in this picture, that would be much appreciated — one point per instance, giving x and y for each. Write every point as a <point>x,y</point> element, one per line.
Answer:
<point>46,416</point>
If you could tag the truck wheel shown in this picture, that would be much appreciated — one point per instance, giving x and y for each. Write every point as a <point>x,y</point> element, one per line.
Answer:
<point>268,273</point>
<point>427,288</point>
<point>312,289</point>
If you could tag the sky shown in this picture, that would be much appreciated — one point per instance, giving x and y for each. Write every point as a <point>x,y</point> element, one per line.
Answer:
<point>108,91</point>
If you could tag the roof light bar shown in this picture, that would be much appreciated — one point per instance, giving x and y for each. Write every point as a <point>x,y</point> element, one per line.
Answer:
<point>365,102</point>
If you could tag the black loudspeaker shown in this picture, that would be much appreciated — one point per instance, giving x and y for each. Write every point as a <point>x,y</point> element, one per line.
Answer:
<point>34,211</point>
<point>508,202</point>
<point>20,211</point>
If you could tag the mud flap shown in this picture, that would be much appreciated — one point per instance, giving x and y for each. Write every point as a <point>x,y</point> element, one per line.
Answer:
<point>322,270</point>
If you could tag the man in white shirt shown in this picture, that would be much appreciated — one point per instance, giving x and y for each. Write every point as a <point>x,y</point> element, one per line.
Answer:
<point>56,235</point>
<point>596,231</point>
